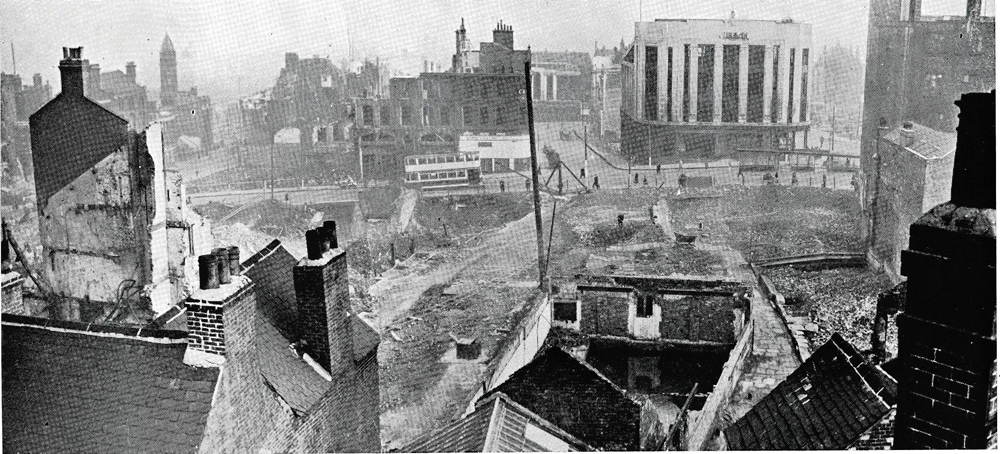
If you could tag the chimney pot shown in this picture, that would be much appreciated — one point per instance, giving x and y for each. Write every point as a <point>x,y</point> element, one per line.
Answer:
<point>234,260</point>
<point>331,227</point>
<point>208,272</point>
<point>314,247</point>
<point>222,264</point>
<point>324,239</point>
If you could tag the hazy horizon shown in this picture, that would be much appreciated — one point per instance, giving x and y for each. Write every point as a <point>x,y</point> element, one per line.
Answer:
<point>229,50</point>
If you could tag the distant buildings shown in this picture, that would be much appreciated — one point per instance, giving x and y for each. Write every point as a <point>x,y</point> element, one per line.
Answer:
<point>917,67</point>
<point>17,103</point>
<point>107,211</point>
<point>606,104</point>
<point>182,114</point>
<point>704,88</point>
<point>561,85</point>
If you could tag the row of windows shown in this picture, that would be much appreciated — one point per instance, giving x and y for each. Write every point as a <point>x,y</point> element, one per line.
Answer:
<point>427,176</point>
<point>441,159</point>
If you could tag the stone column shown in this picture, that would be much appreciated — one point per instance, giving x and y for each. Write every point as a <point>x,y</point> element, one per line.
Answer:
<point>693,83</point>
<point>768,81</point>
<point>555,86</point>
<point>783,94</point>
<point>744,81</point>
<point>662,70</point>
<point>678,95</point>
<point>797,88</point>
<point>717,84</point>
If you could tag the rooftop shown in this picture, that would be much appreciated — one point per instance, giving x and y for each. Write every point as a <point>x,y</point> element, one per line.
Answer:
<point>827,403</point>
<point>100,388</point>
<point>927,143</point>
<point>498,425</point>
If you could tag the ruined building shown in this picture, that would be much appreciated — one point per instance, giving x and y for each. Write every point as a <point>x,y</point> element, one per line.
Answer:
<point>106,210</point>
<point>17,103</point>
<point>607,97</point>
<point>182,113</point>
<point>917,66</point>
<point>704,88</point>
<point>272,358</point>
<point>560,85</point>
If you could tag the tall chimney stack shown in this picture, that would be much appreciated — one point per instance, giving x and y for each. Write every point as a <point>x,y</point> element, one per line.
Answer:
<point>324,305</point>
<point>947,332</point>
<point>130,71</point>
<point>71,70</point>
<point>93,80</point>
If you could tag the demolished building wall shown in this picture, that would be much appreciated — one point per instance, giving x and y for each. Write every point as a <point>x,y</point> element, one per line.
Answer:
<point>101,200</point>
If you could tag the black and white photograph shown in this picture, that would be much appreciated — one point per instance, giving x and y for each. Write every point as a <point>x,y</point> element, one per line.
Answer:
<point>413,226</point>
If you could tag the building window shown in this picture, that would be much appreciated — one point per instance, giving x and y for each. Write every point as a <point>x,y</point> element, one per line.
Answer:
<point>644,305</point>
<point>485,144</point>
<point>651,95</point>
<point>484,115</point>
<point>564,311</point>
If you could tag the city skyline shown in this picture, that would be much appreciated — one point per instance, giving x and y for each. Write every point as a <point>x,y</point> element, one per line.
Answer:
<point>400,34</point>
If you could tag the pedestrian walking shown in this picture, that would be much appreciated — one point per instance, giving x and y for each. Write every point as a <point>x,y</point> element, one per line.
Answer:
<point>682,181</point>
<point>501,186</point>
<point>527,185</point>
<point>621,220</point>
<point>795,179</point>
<point>645,182</point>
<point>636,179</point>
<point>583,172</point>
<point>824,180</point>
<point>597,184</point>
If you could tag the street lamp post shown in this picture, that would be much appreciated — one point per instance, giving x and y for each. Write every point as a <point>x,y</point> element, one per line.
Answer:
<point>585,113</point>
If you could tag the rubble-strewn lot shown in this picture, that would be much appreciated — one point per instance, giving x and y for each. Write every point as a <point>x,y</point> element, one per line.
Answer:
<point>467,216</point>
<point>838,300</point>
<point>774,221</point>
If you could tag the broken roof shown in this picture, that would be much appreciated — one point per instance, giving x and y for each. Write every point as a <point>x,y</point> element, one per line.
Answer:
<point>827,403</point>
<point>498,425</point>
<point>71,386</point>
<point>927,143</point>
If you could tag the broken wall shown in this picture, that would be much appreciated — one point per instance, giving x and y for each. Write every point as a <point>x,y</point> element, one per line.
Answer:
<point>188,236</point>
<point>691,317</point>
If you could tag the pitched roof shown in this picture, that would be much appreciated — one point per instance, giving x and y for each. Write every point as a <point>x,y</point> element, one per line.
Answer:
<point>118,84</point>
<point>71,386</point>
<point>498,425</point>
<point>168,45</point>
<point>577,398</point>
<point>827,403</point>
<point>928,143</point>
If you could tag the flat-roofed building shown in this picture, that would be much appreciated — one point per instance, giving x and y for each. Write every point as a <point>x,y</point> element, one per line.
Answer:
<point>703,88</point>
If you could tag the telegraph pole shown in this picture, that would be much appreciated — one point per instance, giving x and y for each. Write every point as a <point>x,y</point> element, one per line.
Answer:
<point>534,177</point>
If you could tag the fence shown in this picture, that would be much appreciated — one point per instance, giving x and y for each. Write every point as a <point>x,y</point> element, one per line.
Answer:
<point>700,429</point>
<point>520,347</point>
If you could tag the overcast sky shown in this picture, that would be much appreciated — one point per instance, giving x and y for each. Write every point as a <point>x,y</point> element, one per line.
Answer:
<point>230,48</point>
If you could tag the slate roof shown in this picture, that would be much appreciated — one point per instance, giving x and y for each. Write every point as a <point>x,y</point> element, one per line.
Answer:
<point>71,386</point>
<point>497,425</point>
<point>928,143</point>
<point>577,398</point>
<point>827,403</point>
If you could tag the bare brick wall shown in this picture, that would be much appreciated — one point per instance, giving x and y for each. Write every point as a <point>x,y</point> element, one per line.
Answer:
<point>947,332</point>
<point>696,318</point>
<point>877,437</point>
<point>937,182</point>
<point>604,313</point>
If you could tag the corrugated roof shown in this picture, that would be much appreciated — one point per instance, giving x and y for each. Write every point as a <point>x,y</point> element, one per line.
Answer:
<point>827,403</point>
<point>927,143</point>
<point>67,389</point>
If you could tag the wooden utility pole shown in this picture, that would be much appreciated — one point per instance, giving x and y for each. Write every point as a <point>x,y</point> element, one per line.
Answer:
<point>534,177</point>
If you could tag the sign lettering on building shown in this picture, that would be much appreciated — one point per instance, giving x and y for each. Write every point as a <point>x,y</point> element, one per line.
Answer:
<point>735,35</point>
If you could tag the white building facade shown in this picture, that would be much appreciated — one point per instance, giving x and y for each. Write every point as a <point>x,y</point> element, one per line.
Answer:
<point>704,88</point>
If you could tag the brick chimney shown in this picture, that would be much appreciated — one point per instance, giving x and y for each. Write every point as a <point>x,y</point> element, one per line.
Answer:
<point>71,69</point>
<point>906,134</point>
<point>220,317</point>
<point>947,332</point>
<point>130,71</point>
<point>36,80</point>
<point>323,302</point>
<point>504,35</point>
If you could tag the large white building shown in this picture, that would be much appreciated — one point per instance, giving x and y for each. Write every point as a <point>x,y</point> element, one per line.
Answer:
<point>703,88</point>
